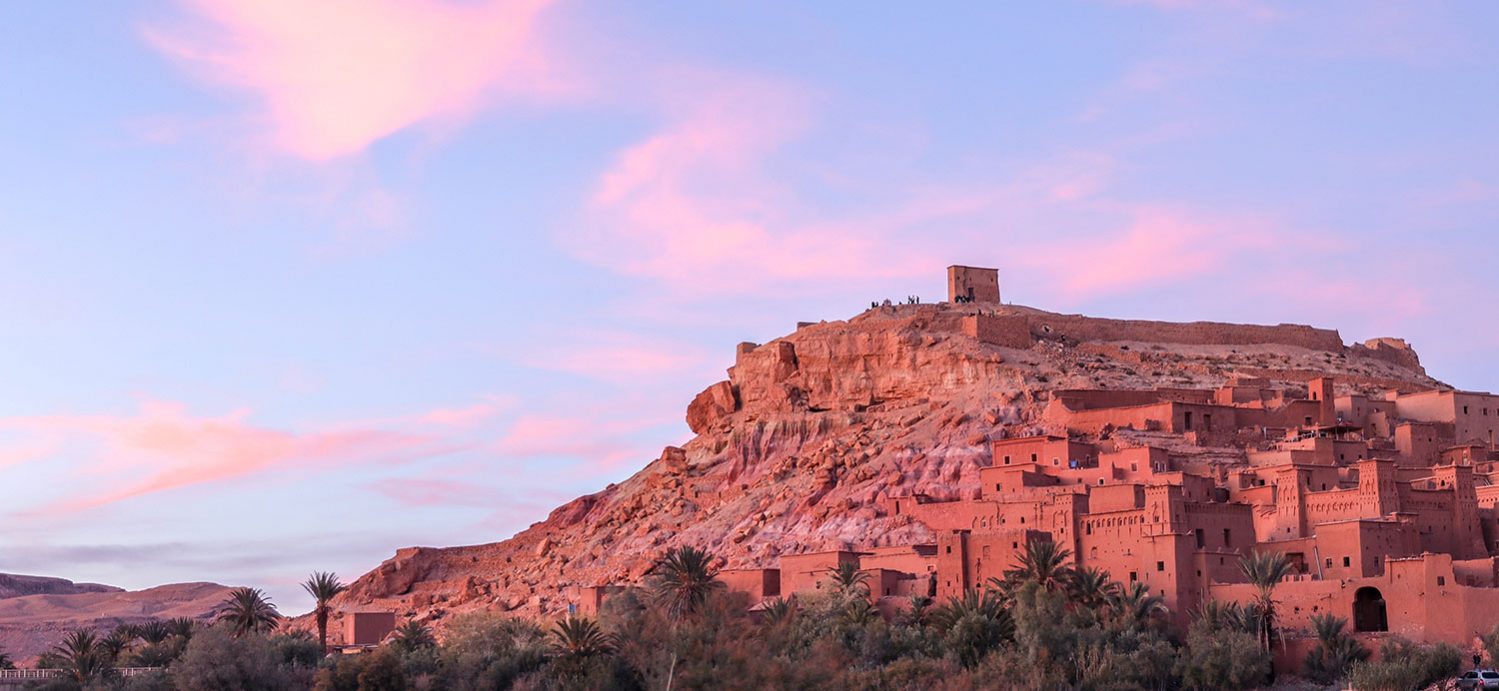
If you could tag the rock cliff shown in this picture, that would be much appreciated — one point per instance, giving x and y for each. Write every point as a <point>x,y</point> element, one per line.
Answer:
<point>796,449</point>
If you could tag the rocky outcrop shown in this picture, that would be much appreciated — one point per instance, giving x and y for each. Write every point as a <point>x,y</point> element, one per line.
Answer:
<point>800,448</point>
<point>713,404</point>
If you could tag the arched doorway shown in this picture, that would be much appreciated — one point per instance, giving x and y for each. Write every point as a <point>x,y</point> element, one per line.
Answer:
<point>1369,611</point>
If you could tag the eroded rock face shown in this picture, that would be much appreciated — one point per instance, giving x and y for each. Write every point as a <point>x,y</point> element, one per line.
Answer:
<point>713,404</point>
<point>799,448</point>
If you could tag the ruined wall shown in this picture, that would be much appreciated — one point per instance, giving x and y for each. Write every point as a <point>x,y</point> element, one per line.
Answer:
<point>1082,328</point>
<point>1003,331</point>
<point>1392,350</point>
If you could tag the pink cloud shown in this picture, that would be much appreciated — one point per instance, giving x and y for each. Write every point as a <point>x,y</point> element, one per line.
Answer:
<point>698,203</point>
<point>468,416</point>
<point>1160,245</point>
<point>163,448</point>
<point>334,76</point>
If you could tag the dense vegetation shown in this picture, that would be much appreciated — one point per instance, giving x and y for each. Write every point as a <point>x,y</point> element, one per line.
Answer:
<point>1044,626</point>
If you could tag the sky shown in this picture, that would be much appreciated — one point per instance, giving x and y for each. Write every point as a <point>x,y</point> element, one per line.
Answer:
<point>286,286</point>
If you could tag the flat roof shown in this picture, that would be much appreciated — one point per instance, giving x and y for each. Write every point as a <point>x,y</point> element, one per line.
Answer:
<point>968,266</point>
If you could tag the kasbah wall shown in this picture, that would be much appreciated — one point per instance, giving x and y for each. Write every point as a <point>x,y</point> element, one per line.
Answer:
<point>1387,508</point>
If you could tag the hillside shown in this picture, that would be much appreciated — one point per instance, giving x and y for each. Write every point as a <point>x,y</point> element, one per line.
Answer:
<point>796,449</point>
<point>36,618</point>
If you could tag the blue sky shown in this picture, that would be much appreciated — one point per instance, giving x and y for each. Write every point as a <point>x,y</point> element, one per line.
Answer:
<point>286,287</point>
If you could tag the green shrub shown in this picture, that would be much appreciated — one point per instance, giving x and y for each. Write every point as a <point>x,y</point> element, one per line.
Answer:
<point>1222,658</point>
<point>215,660</point>
<point>1404,665</point>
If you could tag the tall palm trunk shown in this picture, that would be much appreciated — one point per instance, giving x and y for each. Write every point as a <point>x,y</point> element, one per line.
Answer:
<point>322,629</point>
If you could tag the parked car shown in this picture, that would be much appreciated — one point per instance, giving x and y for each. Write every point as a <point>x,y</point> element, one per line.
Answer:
<point>1479,679</point>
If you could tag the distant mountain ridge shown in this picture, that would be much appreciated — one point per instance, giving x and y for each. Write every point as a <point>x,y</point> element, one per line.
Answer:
<point>37,611</point>
<point>16,585</point>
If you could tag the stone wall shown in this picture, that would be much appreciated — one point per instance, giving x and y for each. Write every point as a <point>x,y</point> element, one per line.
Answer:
<point>1082,328</point>
<point>1003,331</point>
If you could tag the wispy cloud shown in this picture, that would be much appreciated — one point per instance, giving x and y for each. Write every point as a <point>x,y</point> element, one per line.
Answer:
<point>334,76</point>
<point>163,447</point>
<point>698,203</point>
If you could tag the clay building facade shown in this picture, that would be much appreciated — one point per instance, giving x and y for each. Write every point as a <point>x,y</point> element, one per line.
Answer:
<point>1387,515</point>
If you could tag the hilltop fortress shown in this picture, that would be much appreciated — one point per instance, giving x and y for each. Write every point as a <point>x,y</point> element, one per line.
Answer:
<point>927,443</point>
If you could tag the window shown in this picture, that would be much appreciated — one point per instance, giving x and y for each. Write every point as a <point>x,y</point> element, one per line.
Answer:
<point>1033,458</point>
<point>1133,577</point>
<point>1227,537</point>
<point>996,487</point>
<point>1441,580</point>
<point>1187,420</point>
<point>1346,561</point>
<point>1022,520</point>
<point>1207,421</point>
<point>1007,460</point>
<point>1465,410</point>
<point>1160,566</point>
<point>949,549</point>
<point>1329,562</point>
<point>1200,541</point>
<point>1308,421</point>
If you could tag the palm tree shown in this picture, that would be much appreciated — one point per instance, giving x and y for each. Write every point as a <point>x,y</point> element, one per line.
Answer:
<point>577,638</point>
<point>1135,605</point>
<point>154,631</point>
<point>1091,588</point>
<point>857,611</point>
<point>414,635</point>
<point>1231,616</point>
<point>849,580</point>
<point>118,641</point>
<point>984,604</point>
<point>1265,570</point>
<point>248,610</point>
<point>1041,561</point>
<point>5,661</point>
<point>82,657</point>
<point>777,612</point>
<point>1337,652</point>
<point>919,614</point>
<point>323,586</point>
<point>182,627</point>
<point>684,578</point>
<point>974,624</point>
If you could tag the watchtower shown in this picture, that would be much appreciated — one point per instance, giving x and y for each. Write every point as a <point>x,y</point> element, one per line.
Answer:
<point>972,284</point>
